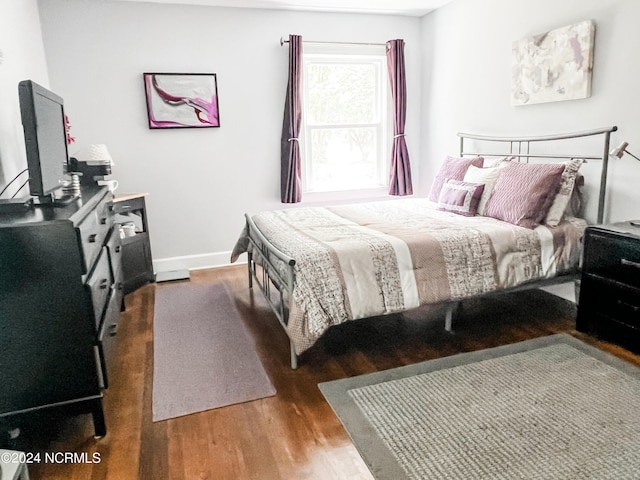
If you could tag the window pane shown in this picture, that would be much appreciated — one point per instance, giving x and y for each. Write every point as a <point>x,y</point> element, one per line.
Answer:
<point>343,158</point>
<point>341,94</point>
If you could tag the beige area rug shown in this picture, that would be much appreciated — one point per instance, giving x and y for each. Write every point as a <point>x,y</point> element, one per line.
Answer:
<point>550,408</point>
<point>203,356</point>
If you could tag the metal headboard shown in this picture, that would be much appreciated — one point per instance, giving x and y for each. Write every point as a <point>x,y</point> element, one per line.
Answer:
<point>520,147</point>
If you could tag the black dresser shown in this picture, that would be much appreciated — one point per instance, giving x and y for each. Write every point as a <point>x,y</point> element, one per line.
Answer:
<point>60,299</point>
<point>609,303</point>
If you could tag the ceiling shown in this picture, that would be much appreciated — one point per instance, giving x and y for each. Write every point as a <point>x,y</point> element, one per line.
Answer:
<point>388,7</point>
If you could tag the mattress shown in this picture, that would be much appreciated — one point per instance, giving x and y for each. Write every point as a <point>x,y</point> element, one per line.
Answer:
<point>363,260</point>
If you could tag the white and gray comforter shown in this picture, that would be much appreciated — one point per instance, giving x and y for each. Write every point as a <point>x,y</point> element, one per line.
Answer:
<point>363,260</point>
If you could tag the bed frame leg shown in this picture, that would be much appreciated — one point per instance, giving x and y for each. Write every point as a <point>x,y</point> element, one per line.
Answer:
<point>250,268</point>
<point>294,356</point>
<point>448,319</point>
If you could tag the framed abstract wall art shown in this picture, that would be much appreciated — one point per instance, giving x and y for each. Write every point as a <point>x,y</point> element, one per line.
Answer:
<point>553,66</point>
<point>182,100</point>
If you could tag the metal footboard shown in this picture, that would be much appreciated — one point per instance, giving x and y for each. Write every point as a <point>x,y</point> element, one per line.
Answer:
<point>277,271</point>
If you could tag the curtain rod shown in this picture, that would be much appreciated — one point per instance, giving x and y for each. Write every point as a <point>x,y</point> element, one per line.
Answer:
<point>283,41</point>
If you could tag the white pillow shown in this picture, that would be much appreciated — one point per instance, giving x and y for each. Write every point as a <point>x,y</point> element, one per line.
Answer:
<point>487,176</point>
<point>498,162</point>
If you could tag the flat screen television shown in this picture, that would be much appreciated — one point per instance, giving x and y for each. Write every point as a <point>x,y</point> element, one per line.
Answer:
<point>45,135</point>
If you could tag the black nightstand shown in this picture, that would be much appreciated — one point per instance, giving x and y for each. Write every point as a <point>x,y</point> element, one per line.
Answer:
<point>609,304</point>
<point>137,263</point>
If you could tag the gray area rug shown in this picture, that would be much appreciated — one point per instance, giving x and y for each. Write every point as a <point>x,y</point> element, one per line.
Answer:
<point>203,356</point>
<point>549,408</point>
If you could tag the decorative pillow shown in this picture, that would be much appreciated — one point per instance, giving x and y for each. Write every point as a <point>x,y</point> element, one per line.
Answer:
<point>460,197</point>
<point>523,193</point>
<point>495,162</point>
<point>487,176</point>
<point>453,168</point>
<point>561,200</point>
<point>576,202</point>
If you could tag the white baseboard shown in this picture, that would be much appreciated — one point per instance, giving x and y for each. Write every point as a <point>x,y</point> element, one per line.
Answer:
<point>172,275</point>
<point>195,262</point>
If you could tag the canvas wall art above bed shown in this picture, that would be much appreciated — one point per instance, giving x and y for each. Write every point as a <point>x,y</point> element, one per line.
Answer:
<point>488,225</point>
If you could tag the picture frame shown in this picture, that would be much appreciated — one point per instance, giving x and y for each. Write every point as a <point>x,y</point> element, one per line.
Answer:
<point>181,100</point>
<point>553,66</point>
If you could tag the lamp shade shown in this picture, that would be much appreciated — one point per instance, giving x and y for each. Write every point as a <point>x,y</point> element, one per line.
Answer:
<point>619,150</point>
<point>96,154</point>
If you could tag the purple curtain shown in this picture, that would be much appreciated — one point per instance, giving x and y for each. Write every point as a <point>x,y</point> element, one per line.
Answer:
<point>400,176</point>
<point>290,170</point>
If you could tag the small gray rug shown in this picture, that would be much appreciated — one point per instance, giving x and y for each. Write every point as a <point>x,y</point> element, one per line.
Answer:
<point>549,408</point>
<point>203,356</point>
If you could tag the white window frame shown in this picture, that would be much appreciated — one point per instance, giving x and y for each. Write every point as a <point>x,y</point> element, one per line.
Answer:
<point>350,54</point>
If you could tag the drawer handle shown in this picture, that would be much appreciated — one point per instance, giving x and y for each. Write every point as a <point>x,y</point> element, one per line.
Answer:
<point>104,283</point>
<point>630,263</point>
<point>92,238</point>
<point>118,248</point>
<point>103,221</point>
<point>629,306</point>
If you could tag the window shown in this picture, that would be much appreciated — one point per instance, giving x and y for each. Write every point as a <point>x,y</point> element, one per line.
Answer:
<point>345,118</point>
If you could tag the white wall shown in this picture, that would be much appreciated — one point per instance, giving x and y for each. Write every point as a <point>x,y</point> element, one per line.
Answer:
<point>467,74</point>
<point>22,58</point>
<point>201,182</point>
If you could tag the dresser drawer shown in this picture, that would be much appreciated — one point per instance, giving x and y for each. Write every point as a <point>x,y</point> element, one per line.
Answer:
<point>99,285</point>
<point>93,231</point>
<point>107,335</point>
<point>615,258</point>
<point>114,246</point>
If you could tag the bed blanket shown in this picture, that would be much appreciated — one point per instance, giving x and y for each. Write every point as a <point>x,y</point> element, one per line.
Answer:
<point>363,260</point>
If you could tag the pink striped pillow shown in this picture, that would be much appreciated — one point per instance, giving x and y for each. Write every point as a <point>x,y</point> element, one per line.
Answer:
<point>524,192</point>
<point>453,168</point>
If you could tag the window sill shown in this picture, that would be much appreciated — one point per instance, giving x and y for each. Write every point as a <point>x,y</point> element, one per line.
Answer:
<point>345,196</point>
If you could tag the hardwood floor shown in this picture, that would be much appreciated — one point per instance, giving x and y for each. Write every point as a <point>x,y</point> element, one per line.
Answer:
<point>293,435</point>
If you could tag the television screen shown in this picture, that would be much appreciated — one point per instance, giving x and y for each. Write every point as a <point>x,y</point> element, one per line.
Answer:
<point>45,137</point>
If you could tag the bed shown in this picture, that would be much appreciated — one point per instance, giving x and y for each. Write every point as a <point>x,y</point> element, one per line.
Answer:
<point>473,235</point>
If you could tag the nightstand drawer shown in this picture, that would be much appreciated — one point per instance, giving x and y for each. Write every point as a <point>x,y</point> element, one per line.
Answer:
<point>618,333</point>
<point>621,304</point>
<point>615,258</point>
